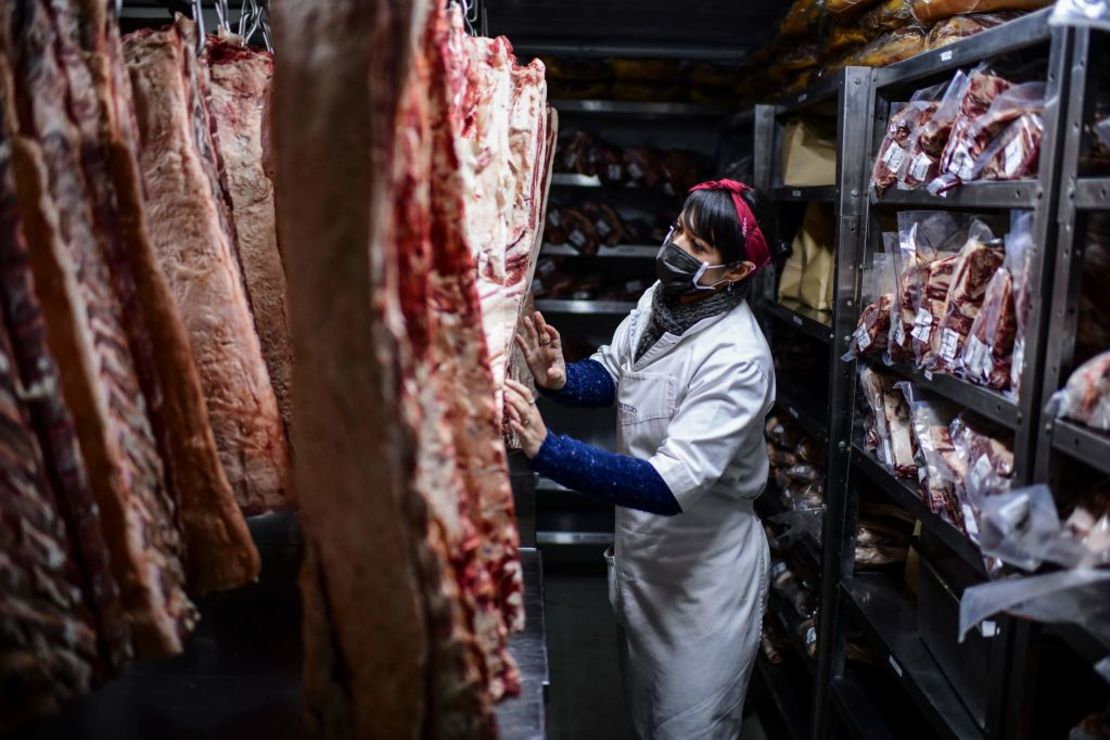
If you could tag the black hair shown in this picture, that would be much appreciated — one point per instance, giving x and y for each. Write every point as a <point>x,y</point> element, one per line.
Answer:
<point>711,216</point>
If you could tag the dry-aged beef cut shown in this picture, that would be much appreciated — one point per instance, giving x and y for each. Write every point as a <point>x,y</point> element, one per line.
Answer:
<point>894,148</point>
<point>95,329</point>
<point>219,549</point>
<point>507,137</point>
<point>48,635</point>
<point>438,220</point>
<point>990,344</point>
<point>65,467</point>
<point>192,238</point>
<point>977,264</point>
<point>238,85</point>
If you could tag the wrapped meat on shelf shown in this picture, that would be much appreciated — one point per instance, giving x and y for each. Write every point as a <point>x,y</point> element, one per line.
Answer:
<point>976,143</point>
<point>607,224</point>
<point>973,128</point>
<point>978,261</point>
<point>888,15</point>
<point>580,229</point>
<point>940,466</point>
<point>574,153</point>
<point>1086,396</point>
<point>1015,153</point>
<point>960,27</point>
<point>895,146</point>
<point>890,48</point>
<point>642,167</point>
<point>928,12</point>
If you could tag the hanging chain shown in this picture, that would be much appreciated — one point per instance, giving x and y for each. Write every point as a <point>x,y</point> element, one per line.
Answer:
<point>224,15</point>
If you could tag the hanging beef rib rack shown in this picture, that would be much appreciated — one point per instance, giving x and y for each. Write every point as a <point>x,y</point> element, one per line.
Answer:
<point>408,213</point>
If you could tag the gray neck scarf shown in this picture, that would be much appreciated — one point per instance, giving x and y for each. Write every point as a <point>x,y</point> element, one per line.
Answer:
<point>670,316</point>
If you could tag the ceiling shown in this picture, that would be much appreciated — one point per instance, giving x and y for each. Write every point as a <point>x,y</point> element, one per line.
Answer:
<point>724,29</point>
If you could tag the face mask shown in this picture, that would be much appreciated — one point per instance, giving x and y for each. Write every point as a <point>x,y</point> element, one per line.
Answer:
<point>679,272</point>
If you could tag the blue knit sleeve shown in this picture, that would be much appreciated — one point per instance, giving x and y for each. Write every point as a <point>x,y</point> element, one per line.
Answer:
<point>618,479</point>
<point>588,384</point>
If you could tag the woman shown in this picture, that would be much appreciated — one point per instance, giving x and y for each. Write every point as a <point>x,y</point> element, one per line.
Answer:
<point>692,378</point>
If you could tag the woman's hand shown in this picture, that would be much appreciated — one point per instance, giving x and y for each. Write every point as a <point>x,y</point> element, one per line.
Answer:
<point>524,418</point>
<point>543,351</point>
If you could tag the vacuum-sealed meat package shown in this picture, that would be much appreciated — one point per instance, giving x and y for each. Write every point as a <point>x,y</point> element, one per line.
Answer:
<point>873,329</point>
<point>988,351</point>
<point>983,87</point>
<point>928,12</point>
<point>976,143</point>
<point>888,15</point>
<point>981,256</point>
<point>1086,396</point>
<point>1015,153</point>
<point>940,466</point>
<point>960,27</point>
<point>890,48</point>
<point>899,130</point>
<point>927,143</point>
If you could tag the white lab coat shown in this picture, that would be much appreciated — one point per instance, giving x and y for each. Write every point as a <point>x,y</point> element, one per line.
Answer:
<point>689,591</point>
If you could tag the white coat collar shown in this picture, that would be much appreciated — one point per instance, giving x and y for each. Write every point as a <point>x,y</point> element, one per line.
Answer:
<point>668,341</point>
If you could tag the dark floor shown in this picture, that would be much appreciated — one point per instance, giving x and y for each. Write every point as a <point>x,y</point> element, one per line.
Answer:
<point>585,701</point>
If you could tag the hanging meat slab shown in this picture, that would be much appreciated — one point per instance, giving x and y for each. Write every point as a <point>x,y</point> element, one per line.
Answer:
<point>366,627</point>
<point>193,238</point>
<point>219,549</point>
<point>239,84</point>
<point>94,327</point>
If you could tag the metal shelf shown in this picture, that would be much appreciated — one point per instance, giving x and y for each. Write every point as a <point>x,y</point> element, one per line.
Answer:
<point>857,711</point>
<point>632,108</point>
<point>1082,443</point>
<point>1086,645</point>
<point>574,180</point>
<point>907,496</point>
<point>788,194</point>
<point>824,89</point>
<point>984,401</point>
<point>785,696</point>
<point>1017,34</point>
<point>624,251</point>
<point>887,614</point>
<point>1014,194</point>
<point>1092,194</point>
<point>816,324</point>
<point>804,409</point>
<point>592,308</point>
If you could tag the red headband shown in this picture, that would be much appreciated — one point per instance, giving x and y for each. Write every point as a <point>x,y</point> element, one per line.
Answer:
<point>755,243</point>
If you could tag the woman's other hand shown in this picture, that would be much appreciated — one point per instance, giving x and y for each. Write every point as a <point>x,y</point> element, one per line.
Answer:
<point>524,418</point>
<point>543,351</point>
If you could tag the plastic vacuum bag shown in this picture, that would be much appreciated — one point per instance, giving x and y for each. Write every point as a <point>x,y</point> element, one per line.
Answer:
<point>1021,228</point>
<point>1086,397</point>
<point>904,122</point>
<point>1090,13</point>
<point>980,257</point>
<point>926,144</point>
<point>877,292</point>
<point>928,12</point>
<point>940,467</point>
<point>988,353</point>
<point>980,139</point>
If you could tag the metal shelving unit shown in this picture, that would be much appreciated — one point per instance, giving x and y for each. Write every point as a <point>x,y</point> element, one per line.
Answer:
<point>906,495</point>
<point>814,324</point>
<point>877,603</point>
<point>886,612</point>
<point>827,419</point>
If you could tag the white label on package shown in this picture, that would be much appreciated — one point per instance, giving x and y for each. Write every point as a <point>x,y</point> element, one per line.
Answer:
<point>946,55</point>
<point>949,343</point>
<point>615,172</point>
<point>894,157</point>
<point>1015,155</point>
<point>965,163</point>
<point>554,218</point>
<point>975,357</point>
<point>603,228</point>
<point>635,171</point>
<point>921,325</point>
<point>863,339</point>
<point>577,238</point>
<point>919,168</point>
